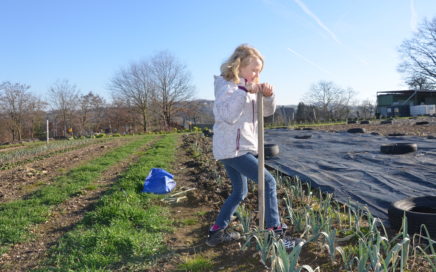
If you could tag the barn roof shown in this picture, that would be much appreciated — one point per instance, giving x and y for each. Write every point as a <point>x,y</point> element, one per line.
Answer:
<point>405,92</point>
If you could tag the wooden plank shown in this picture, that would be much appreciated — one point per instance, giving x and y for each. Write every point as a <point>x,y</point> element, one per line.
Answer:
<point>261,158</point>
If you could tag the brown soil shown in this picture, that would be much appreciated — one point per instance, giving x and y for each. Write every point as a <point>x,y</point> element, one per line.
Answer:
<point>22,180</point>
<point>28,255</point>
<point>195,214</point>
<point>199,170</point>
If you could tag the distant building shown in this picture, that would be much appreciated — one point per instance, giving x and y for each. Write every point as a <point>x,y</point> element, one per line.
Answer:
<point>405,103</point>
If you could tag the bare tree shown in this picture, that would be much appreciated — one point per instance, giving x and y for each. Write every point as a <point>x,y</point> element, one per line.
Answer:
<point>17,104</point>
<point>134,87</point>
<point>63,97</point>
<point>119,117</point>
<point>331,101</point>
<point>341,107</point>
<point>90,112</point>
<point>172,84</point>
<point>35,118</point>
<point>366,109</point>
<point>419,53</point>
<point>154,88</point>
<point>417,82</point>
<point>122,118</point>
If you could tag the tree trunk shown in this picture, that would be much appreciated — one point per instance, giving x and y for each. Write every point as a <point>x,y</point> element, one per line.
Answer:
<point>144,121</point>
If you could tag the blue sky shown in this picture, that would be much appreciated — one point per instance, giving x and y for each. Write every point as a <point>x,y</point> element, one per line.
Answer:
<point>353,43</point>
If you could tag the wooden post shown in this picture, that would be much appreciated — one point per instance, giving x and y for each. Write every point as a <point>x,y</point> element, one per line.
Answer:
<point>261,158</point>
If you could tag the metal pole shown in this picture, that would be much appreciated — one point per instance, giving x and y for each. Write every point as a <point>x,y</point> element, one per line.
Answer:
<point>47,132</point>
<point>261,158</point>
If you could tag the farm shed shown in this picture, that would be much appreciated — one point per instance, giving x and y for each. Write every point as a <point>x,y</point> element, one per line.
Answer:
<point>399,103</point>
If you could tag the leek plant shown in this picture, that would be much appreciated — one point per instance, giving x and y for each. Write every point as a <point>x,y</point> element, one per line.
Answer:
<point>316,222</point>
<point>297,190</point>
<point>330,242</point>
<point>9,159</point>
<point>380,244</point>
<point>372,249</point>
<point>296,217</point>
<point>400,249</point>
<point>287,262</point>
<point>244,217</point>
<point>362,259</point>
<point>346,254</point>
<point>325,203</point>
<point>428,251</point>
<point>264,243</point>
<point>309,193</point>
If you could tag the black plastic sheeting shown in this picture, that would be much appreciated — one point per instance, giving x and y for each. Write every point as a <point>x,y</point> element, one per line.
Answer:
<point>351,166</point>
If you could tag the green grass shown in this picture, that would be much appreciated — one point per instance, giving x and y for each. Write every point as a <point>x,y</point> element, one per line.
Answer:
<point>127,227</point>
<point>196,264</point>
<point>36,143</point>
<point>302,125</point>
<point>16,217</point>
<point>201,213</point>
<point>188,221</point>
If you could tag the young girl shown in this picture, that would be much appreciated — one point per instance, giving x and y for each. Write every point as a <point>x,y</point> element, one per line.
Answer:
<point>235,138</point>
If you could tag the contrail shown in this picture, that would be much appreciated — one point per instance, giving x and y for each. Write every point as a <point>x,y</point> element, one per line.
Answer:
<point>317,20</point>
<point>413,24</point>
<point>310,62</point>
<point>332,35</point>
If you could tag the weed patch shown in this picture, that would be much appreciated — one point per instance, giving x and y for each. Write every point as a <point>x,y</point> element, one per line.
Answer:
<point>196,264</point>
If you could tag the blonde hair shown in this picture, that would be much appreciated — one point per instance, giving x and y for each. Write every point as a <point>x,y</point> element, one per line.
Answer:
<point>240,58</point>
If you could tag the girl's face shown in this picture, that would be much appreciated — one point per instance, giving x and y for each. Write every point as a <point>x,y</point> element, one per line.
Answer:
<point>251,71</point>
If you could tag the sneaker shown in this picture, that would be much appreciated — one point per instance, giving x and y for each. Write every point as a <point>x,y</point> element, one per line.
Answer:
<point>221,236</point>
<point>280,230</point>
<point>290,242</point>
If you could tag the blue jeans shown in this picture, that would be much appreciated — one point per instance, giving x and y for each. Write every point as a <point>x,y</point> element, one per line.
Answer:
<point>239,169</point>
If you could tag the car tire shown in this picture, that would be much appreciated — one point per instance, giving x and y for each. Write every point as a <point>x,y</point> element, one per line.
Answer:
<point>356,130</point>
<point>422,123</point>
<point>386,122</point>
<point>418,210</point>
<point>398,148</point>
<point>308,136</point>
<point>271,150</point>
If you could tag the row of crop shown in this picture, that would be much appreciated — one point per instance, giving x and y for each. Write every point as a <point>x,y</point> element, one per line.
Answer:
<point>353,239</point>
<point>37,152</point>
<point>16,217</point>
<point>126,228</point>
<point>5,147</point>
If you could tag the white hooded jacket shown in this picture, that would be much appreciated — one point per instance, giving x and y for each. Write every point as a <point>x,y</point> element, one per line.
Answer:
<point>235,111</point>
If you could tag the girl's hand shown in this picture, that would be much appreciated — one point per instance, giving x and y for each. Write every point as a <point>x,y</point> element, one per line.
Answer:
<point>253,87</point>
<point>266,89</point>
